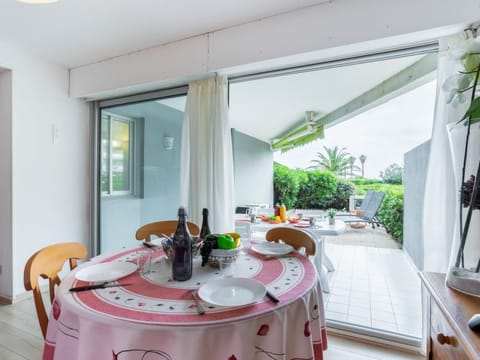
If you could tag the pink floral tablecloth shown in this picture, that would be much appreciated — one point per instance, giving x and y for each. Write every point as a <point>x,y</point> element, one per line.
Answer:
<point>156,318</point>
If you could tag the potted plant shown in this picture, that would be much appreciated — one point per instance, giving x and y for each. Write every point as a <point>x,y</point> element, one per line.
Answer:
<point>331,216</point>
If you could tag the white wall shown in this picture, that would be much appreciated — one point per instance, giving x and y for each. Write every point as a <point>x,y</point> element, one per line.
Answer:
<point>50,182</point>
<point>329,30</point>
<point>5,182</point>
<point>253,179</point>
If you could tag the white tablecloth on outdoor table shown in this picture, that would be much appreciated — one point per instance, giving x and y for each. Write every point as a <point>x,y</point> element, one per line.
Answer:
<point>156,318</point>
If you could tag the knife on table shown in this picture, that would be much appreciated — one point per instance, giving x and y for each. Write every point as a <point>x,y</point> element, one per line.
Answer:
<point>200,309</point>
<point>272,297</point>
<point>96,286</point>
<point>149,245</point>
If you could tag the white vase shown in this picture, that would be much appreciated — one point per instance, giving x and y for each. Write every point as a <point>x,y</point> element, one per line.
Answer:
<point>464,267</point>
<point>331,220</point>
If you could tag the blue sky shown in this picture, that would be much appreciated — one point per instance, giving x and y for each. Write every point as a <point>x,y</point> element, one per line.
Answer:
<point>384,134</point>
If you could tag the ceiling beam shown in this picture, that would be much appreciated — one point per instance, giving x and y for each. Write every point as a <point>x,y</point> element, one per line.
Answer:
<point>405,80</point>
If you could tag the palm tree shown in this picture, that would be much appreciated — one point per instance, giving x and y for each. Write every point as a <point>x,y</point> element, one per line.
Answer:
<point>351,164</point>
<point>334,160</point>
<point>362,159</point>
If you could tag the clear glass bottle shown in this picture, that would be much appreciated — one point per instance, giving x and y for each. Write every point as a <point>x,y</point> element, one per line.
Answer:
<point>182,249</point>
<point>205,230</point>
<point>464,267</point>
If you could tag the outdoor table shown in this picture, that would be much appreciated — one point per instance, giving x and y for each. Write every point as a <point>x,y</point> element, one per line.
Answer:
<point>155,317</point>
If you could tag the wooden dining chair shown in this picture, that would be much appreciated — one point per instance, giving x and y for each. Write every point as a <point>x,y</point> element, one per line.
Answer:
<point>160,228</point>
<point>295,237</point>
<point>47,263</point>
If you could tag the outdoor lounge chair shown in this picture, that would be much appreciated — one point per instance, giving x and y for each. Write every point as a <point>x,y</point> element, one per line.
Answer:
<point>367,212</point>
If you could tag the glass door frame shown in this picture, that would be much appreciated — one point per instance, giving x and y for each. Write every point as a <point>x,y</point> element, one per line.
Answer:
<point>95,145</point>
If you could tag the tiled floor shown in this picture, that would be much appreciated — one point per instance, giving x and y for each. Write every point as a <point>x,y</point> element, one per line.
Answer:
<point>373,286</point>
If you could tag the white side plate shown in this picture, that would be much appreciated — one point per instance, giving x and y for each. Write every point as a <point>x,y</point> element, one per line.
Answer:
<point>232,292</point>
<point>271,248</point>
<point>108,271</point>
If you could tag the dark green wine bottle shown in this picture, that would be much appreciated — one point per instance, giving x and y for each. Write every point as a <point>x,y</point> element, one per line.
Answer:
<point>182,249</point>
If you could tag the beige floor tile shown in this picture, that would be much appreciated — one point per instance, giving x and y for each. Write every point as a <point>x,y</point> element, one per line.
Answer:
<point>381,280</point>
<point>340,348</point>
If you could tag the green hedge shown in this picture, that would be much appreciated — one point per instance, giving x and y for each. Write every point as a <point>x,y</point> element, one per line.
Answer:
<point>316,189</point>
<point>309,189</point>
<point>363,181</point>
<point>391,212</point>
<point>323,190</point>
<point>341,198</point>
<point>286,184</point>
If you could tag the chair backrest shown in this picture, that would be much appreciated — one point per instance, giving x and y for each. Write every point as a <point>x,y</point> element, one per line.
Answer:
<point>159,228</point>
<point>373,205</point>
<point>294,237</point>
<point>242,210</point>
<point>47,263</point>
<point>366,200</point>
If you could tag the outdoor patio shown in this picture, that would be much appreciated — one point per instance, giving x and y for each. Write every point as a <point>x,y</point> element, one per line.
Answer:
<point>374,284</point>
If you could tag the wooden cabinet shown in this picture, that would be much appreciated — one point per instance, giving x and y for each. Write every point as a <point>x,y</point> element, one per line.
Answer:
<point>448,312</point>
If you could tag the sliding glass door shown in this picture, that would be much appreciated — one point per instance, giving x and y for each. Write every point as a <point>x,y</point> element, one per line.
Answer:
<point>138,166</point>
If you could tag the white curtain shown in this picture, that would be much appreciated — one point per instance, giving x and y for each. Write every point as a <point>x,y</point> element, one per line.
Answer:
<point>206,170</point>
<point>440,206</point>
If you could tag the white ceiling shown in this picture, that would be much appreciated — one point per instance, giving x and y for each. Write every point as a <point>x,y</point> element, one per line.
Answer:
<point>267,108</point>
<point>78,32</point>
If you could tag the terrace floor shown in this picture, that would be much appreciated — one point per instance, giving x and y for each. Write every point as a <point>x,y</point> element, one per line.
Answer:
<point>374,285</point>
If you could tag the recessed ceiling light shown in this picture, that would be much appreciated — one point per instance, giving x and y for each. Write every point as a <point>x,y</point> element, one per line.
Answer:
<point>37,1</point>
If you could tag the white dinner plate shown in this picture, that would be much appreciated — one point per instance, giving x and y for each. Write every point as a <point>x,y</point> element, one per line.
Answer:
<point>108,271</point>
<point>232,292</point>
<point>302,225</point>
<point>272,248</point>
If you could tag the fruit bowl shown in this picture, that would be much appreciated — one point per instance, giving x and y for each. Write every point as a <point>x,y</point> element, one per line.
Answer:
<point>218,254</point>
<point>274,221</point>
<point>168,249</point>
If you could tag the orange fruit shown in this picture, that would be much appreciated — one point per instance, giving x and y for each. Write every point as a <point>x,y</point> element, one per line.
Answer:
<point>236,238</point>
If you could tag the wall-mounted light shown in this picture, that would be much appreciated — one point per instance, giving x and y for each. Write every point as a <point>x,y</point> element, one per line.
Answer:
<point>168,142</point>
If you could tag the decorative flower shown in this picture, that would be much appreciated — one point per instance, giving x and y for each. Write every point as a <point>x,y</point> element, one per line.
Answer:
<point>456,86</point>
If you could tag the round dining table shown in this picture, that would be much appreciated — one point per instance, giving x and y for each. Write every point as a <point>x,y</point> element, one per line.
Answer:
<point>150,316</point>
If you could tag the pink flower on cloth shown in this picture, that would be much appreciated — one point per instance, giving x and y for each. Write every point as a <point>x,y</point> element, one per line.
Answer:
<point>263,330</point>
<point>56,310</point>
<point>306,329</point>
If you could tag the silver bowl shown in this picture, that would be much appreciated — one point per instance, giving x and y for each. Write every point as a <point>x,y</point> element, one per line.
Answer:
<point>168,249</point>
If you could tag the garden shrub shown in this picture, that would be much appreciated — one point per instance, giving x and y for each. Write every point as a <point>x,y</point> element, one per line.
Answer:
<point>316,190</point>
<point>393,174</point>
<point>364,181</point>
<point>286,184</point>
<point>391,214</point>
<point>322,190</point>
<point>341,198</point>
